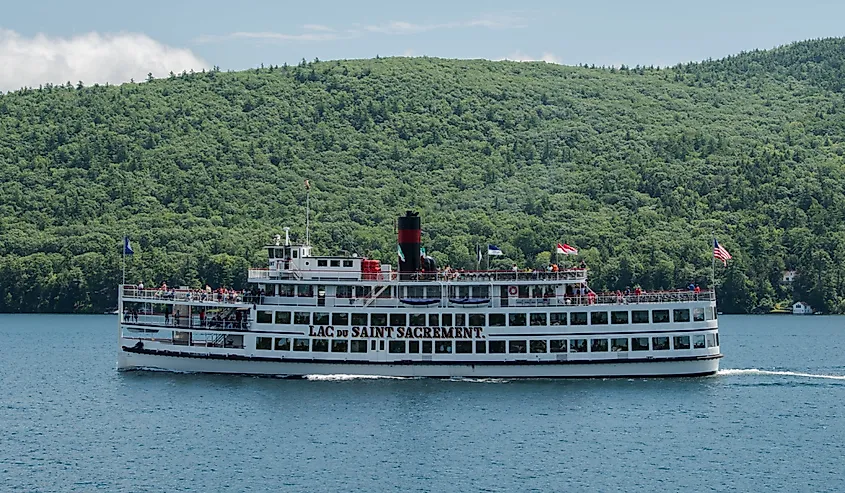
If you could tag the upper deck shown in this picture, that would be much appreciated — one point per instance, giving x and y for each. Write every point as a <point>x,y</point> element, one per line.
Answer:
<point>567,276</point>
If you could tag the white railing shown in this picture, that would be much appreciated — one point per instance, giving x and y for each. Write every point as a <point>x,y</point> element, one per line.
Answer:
<point>569,275</point>
<point>187,295</point>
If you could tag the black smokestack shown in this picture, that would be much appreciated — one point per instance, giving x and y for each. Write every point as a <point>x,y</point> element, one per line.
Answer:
<point>409,242</point>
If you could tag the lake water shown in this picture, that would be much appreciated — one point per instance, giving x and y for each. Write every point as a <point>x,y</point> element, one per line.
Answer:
<point>772,419</point>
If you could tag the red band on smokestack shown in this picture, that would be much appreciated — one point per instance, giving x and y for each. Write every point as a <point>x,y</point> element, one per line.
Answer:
<point>409,236</point>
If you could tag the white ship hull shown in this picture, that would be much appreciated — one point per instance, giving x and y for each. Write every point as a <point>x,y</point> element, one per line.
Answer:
<point>569,369</point>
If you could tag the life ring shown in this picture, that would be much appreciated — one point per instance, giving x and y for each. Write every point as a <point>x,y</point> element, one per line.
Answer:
<point>513,290</point>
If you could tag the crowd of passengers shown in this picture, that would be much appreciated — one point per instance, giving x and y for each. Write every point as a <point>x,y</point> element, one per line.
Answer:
<point>221,294</point>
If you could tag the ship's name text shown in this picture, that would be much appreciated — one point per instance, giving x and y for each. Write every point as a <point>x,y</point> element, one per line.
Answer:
<point>397,332</point>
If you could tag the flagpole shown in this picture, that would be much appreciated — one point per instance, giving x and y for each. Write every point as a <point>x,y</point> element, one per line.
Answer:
<point>713,264</point>
<point>307,212</point>
<point>124,260</point>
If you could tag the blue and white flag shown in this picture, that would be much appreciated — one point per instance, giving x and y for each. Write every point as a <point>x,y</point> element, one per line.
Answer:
<point>493,250</point>
<point>127,248</point>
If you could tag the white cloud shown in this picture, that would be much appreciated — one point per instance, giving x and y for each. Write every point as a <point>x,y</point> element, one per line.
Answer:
<point>519,56</point>
<point>317,27</point>
<point>91,58</point>
<point>488,21</point>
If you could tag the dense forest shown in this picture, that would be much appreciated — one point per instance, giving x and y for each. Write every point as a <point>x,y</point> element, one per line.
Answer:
<point>638,167</point>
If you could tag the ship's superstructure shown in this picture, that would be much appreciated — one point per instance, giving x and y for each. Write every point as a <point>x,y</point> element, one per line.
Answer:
<point>308,314</point>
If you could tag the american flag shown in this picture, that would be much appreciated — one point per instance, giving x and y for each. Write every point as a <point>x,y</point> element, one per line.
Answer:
<point>720,253</point>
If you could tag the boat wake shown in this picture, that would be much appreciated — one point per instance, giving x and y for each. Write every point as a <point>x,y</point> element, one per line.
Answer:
<point>755,371</point>
<point>342,377</point>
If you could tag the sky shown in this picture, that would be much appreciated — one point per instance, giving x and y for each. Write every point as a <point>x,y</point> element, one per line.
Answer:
<point>98,41</point>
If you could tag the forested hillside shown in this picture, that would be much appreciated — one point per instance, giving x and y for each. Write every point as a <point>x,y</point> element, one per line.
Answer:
<point>637,167</point>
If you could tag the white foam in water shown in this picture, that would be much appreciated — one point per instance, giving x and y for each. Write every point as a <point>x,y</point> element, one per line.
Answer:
<point>341,377</point>
<point>755,371</point>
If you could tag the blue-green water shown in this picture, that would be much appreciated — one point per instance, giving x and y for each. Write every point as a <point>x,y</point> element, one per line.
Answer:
<point>774,420</point>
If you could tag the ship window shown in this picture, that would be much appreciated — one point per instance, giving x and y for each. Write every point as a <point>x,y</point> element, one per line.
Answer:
<point>263,342</point>
<point>619,344</point>
<point>698,314</point>
<point>711,340</point>
<point>480,347</point>
<point>463,347</point>
<point>417,320</point>
<point>660,316</point>
<point>497,347</point>
<point>639,316</point>
<point>681,342</point>
<point>302,318</point>
<point>497,319</point>
<point>698,341</point>
<point>680,315</point>
<point>443,347</point>
<point>578,345</point>
<point>460,320</point>
<point>320,345</point>
<point>516,319</point>
<point>340,345</point>
<point>398,320</point>
<point>378,319</point>
<point>481,291</point>
<point>358,346</point>
<point>359,319</point>
<point>598,318</point>
<point>287,290</point>
<point>426,347</point>
<point>414,291</point>
<point>447,319</point>
<point>710,313</point>
<point>373,345</point>
<point>524,291</point>
<point>233,341</point>
<point>433,291</point>
<point>538,319</point>
<point>557,318</point>
<point>396,347</point>
<point>340,319</point>
<point>463,291</point>
<point>387,293</point>
<point>283,318</point>
<point>433,320</point>
<point>343,291</point>
<point>639,343</point>
<point>305,291</point>
<point>363,291</point>
<point>717,338</point>
<point>578,318</point>
<point>322,263</point>
<point>381,345</point>
<point>334,263</point>
<point>414,346</point>
<point>476,319</point>
<point>598,345</point>
<point>618,318</point>
<point>295,253</point>
<point>264,317</point>
<point>538,346</point>
<point>282,344</point>
<point>301,344</point>
<point>557,345</point>
<point>660,343</point>
<point>321,318</point>
<point>347,263</point>
<point>272,252</point>
<point>517,347</point>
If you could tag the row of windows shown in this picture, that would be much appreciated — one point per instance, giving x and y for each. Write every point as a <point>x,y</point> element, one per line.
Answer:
<point>481,319</point>
<point>349,291</point>
<point>535,346</point>
<point>333,263</point>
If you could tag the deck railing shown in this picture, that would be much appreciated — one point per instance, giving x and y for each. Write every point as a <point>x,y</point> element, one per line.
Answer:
<point>187,295</point>
<point>569,275</point>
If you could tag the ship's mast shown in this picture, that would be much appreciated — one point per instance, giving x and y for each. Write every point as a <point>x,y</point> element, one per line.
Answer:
<point>307,213</point>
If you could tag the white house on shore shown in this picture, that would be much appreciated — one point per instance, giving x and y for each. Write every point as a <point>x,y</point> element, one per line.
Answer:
<point>801,308</point>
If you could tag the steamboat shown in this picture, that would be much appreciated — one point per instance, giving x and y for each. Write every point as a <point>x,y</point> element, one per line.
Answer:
<point>307,314</point>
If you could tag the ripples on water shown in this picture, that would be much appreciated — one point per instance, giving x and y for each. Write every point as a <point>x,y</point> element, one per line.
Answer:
<point>772,420</point>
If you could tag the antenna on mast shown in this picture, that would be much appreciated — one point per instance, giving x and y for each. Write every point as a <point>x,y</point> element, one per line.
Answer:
<point>287,236</point>
<point>307,212</point>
